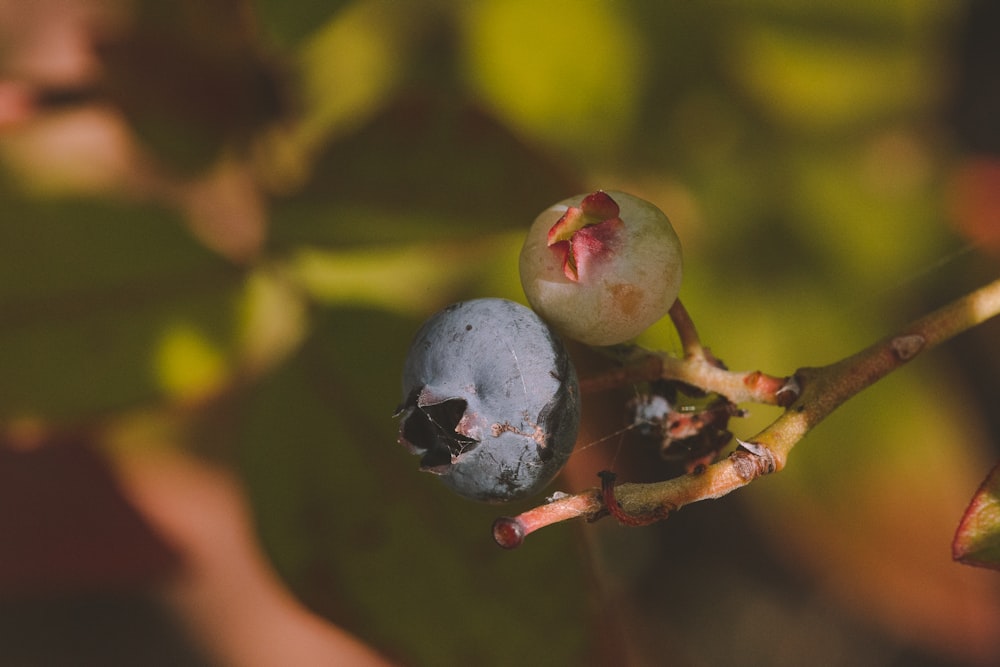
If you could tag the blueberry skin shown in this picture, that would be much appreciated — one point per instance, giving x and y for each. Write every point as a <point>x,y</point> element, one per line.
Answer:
<point>490,400</point>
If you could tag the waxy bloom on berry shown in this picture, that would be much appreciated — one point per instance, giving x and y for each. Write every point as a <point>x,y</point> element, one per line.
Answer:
<point>601,267</point>
<point>491,402</point>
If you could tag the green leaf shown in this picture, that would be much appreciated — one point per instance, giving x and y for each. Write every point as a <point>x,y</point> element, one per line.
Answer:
<point>564,72</point>
<point>425,168</point>
<point>366,539</point>
<point>103,305</point>
<point>819,80</point>
<point>287,23</point>
<point>977,541</point>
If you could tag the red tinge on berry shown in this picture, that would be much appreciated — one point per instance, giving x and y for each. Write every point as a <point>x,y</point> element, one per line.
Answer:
<point>586,234</point>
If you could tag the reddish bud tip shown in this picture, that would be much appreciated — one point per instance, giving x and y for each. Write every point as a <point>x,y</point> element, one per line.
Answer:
<point>597,207</point>
<point>585,233</point>
<point>570,222</point>
<point>600,205</point>
<point>508,532</point>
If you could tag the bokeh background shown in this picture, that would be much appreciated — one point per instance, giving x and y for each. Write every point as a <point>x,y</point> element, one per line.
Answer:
<point>222,220</point>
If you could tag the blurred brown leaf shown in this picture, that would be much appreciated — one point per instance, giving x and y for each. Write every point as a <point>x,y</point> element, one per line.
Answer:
<point>65,525</point>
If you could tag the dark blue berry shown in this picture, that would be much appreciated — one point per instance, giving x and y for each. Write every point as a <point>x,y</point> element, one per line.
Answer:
<point>490,400</point>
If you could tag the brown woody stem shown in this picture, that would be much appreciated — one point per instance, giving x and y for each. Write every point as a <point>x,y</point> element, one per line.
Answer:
<point>817,393</point>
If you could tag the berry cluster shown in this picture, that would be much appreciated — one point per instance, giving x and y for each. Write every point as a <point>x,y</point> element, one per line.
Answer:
<point>490,397</point>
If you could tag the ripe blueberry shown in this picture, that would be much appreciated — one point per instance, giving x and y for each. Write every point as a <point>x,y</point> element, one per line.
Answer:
<point>490,400</point>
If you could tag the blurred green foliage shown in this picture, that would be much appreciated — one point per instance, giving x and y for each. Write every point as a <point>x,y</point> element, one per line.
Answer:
<point>90,293</point>
<point>399,149</point>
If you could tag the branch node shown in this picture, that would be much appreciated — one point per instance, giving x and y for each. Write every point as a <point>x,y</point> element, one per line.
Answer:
<point>908,346</point>
<point>752,460</point>
<point>615,509</point>
<point>789,392</point>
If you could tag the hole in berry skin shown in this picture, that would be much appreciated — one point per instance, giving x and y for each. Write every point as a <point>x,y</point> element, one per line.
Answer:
<point>435,460</point>
<point>430,429</point>
<point>416,431</point>
<point>446,415</point>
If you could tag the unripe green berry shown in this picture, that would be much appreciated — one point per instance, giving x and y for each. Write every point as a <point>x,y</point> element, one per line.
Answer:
<point>601,267</point>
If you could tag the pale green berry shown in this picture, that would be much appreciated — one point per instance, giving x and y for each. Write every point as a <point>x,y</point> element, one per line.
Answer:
<point>602,267</point>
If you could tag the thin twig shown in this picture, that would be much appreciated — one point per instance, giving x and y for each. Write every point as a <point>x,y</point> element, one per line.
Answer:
<point>823,390</point>
<point>698,370</point>
<point>738,387</point>
<point>690,341</point>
